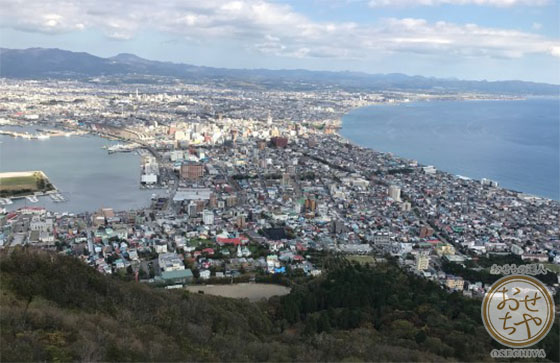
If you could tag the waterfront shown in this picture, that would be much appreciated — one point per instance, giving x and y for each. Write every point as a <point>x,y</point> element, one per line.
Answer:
<point>513,142</point>
<point>84,173</point>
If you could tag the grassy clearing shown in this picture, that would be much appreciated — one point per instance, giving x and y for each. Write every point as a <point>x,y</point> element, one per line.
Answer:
<point>361,259</point>
<point>22,183</point>
<point>18,182</point>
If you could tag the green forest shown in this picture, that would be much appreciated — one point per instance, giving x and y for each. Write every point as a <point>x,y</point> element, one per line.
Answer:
<point>56,308</point>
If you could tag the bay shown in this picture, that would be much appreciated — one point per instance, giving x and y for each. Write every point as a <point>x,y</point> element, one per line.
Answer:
<point>513,142</point>
<point>85,174</point>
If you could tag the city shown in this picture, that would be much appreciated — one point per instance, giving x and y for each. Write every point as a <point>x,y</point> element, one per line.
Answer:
<point>252,184</point>
<point>279,181</point>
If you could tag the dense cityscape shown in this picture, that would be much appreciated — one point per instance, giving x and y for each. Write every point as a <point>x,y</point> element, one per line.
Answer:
<point>257,185</point>
<point>280,181</point>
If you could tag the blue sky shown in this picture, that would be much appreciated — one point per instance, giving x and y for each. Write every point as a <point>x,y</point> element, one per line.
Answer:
<point>467,39</point>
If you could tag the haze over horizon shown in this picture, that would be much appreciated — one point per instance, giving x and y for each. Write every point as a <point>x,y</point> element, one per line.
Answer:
<point>463,39</point>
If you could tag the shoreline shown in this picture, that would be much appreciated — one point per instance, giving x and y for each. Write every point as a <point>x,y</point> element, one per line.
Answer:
<point>355,144</point>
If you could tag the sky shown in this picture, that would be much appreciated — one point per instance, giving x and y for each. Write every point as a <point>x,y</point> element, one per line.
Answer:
<point>465,39</point>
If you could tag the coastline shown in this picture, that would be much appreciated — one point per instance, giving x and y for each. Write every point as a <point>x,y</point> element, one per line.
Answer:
<point>347,140</point>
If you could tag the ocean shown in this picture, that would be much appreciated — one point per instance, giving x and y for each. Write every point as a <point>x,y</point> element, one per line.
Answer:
<point>516,143</point>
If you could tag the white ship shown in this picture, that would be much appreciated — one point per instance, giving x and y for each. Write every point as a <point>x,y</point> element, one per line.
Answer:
<point>122,148</point>
<point>32,198</point>
<point>57,198</point>
<point>6,201</point>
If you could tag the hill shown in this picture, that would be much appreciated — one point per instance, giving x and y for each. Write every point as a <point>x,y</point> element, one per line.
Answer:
<point>54,307</point>
<point>40,63</point>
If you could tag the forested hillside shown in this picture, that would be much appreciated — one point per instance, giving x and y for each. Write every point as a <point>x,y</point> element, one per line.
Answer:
<point>56,308</point>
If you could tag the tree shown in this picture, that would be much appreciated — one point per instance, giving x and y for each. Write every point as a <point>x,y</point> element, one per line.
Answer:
<point>323,324</point>
<point>310,326</point>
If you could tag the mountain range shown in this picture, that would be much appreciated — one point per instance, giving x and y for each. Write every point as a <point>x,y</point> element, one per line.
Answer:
<point>43,63</point>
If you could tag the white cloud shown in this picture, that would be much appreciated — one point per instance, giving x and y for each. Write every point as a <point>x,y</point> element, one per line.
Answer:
<point>497,3</point>
<point>276,29</point>
<point>555,51</point>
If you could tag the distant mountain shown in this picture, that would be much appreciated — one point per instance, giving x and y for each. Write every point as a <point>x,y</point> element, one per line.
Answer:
<point>39,63</point>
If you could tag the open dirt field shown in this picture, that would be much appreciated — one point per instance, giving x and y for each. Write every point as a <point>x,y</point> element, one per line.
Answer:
<point>251,291</point>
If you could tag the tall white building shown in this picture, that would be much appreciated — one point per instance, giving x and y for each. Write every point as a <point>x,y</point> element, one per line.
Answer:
<point>208,217</point>
<point>430,169</point>
<point>405,207</point>
<point>489,182</point>
<point>395,193</point>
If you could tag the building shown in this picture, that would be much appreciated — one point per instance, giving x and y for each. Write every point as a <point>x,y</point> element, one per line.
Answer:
<point>395,193</point>
<point>279,141</point>
<point>148,179</point>
<point>285,179</point>
<point>176,155</point>
<point>405,207</point>
<point>422,262</point>
<point>444,249</point>
<point>226,240</point>
<point>192,209</point>
<point>338,227</point>
<point>310,205</point>
<point>454,258</point>
<point>208,217</point>
<point>204,274</point>
<point>381,239</point>
<point>170,262</point>
<point>102,216</point>
<point>189,194</point>
<point>488,182</point>
<point>37,224</point>
<point>231,201</point>
<point>426,231</point>
<point>176,277</point>
<point>517,250</point>
<point>241,221</point>
<point>454,282</point>
<point>360,249</point>
<point>430,169</point>
<point>192,171</point>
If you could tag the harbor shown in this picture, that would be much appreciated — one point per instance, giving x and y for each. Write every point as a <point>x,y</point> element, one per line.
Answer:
<point>42,134</point>
<point>56,196</point>
<point>83,175</point>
